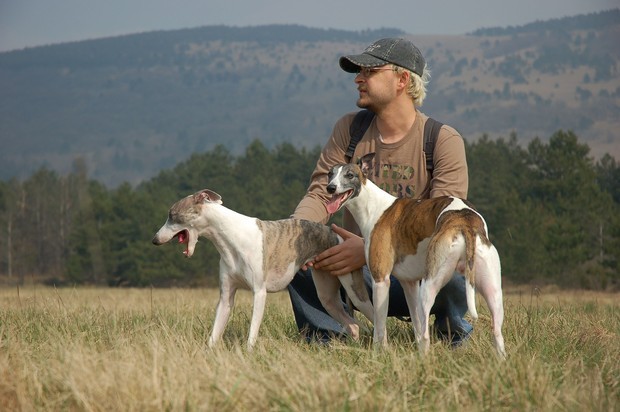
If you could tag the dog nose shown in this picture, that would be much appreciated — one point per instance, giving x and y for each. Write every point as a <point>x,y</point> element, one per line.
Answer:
<point>155,241</point>
<point>331,188</point>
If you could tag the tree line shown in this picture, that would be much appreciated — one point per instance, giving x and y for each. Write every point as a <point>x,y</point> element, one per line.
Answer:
<point>552,210</point>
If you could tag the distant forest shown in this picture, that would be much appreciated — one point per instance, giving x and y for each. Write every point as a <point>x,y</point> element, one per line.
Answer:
<point>553,213</point>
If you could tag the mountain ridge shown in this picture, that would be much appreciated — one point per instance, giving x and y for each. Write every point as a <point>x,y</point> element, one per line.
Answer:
<point>133,105</point>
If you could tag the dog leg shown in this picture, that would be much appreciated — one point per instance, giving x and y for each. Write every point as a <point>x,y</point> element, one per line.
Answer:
<point>411,288</point>
<point>222,313</point>
<point>260,298</point>
<point>429,288</point>
<point>428,292</point>
<point>443,257</point>
<point>328,291</point>
<point>353,283</point>
<point>489,284</point>
<point>381,300</point>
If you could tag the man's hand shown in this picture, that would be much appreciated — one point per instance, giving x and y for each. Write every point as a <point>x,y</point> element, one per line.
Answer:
<point>343,258</point>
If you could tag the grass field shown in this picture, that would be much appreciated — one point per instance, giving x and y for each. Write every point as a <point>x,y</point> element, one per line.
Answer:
<point>144,350</point>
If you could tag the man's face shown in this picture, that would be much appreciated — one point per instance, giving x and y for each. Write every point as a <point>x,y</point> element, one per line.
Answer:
<point>377,86</point>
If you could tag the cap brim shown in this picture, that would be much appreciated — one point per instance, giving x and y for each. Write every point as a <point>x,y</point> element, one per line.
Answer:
<point>353,63</point>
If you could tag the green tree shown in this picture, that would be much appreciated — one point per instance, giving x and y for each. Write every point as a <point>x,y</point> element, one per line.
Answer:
<point>498,173</point>
<point>11,214</point>
<point>87,245</point>
<point>608,176</point>
<point>295,167</point>
<point>564,185</point>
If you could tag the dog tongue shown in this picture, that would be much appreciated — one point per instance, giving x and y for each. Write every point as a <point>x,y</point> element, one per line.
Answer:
<point>334,204</point>
<point>184,238</point>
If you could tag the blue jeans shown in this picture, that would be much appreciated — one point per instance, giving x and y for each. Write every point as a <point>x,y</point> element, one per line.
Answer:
<point>449,308</point>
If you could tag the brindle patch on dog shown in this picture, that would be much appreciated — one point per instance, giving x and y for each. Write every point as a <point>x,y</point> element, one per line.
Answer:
<point>292,240</point>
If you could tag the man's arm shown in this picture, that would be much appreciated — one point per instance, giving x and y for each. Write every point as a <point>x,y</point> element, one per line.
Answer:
<point>349,255</point>
<point>450,175</point>
<point>312,206</point>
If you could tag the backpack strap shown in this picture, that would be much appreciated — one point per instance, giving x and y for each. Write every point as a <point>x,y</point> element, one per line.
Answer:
<point>358,127</point>
<point>431,132</point>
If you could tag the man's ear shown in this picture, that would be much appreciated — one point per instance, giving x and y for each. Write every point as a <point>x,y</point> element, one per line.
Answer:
<point>404,79</point>
<point>365,163</point>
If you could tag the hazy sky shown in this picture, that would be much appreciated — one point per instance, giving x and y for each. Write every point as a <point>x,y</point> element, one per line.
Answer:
<point>27,23</point>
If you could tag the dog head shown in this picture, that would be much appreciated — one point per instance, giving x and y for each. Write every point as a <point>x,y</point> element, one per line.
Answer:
<point>184,220</point>
<point>346,180</point>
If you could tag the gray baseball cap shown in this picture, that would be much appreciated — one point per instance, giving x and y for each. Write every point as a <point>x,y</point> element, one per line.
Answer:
<point>399,52</point>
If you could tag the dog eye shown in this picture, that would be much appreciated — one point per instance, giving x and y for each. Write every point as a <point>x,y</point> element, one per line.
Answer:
<point>350,175</point>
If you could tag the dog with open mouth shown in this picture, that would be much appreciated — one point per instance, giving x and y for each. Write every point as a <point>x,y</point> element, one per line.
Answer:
<point>422,243</point>
<point>261,256</point>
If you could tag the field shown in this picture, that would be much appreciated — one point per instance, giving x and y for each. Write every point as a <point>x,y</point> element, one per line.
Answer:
<point>97,349</point>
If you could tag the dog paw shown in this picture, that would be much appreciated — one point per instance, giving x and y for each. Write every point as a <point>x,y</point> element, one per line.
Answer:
<point>354,331</point>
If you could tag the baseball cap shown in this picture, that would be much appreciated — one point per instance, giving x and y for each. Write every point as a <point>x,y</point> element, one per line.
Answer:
<point>399,52</point>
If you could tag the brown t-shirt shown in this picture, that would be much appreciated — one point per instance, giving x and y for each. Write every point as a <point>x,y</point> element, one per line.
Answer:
<point>399,168</point>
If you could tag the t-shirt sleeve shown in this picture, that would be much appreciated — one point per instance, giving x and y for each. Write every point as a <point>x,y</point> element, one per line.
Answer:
<point>450,175</point>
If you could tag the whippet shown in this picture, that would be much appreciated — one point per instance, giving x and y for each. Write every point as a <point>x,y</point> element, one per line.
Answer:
<point>421,243</point>
<point>262,256</point>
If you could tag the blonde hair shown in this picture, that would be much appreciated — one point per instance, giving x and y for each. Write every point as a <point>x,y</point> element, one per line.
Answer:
<point>417,85</point>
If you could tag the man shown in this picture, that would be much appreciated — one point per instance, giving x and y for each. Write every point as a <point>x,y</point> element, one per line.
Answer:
<point>391,78</point>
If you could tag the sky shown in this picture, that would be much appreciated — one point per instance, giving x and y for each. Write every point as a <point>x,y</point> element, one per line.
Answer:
<point>29,23</point>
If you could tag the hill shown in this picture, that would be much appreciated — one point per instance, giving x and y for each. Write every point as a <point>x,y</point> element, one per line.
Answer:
<point>130,106</point>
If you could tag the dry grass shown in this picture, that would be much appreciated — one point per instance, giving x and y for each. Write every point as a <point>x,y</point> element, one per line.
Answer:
<point>144,350</point>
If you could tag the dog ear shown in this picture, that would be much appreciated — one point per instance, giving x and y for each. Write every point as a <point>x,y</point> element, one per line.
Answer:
<point>207,195</point>
<point>365,163</point>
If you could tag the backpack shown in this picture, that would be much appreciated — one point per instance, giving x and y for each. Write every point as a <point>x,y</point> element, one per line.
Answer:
<point>362,121</point>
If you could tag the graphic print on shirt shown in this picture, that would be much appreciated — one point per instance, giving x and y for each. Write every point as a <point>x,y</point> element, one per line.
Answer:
<point>396,179</point>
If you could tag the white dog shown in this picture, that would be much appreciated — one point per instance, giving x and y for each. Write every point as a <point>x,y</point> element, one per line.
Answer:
<point>262,256</point>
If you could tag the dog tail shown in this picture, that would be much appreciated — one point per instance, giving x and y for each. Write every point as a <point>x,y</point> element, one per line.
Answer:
<point>470,255</point>
<point>470,293</point>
